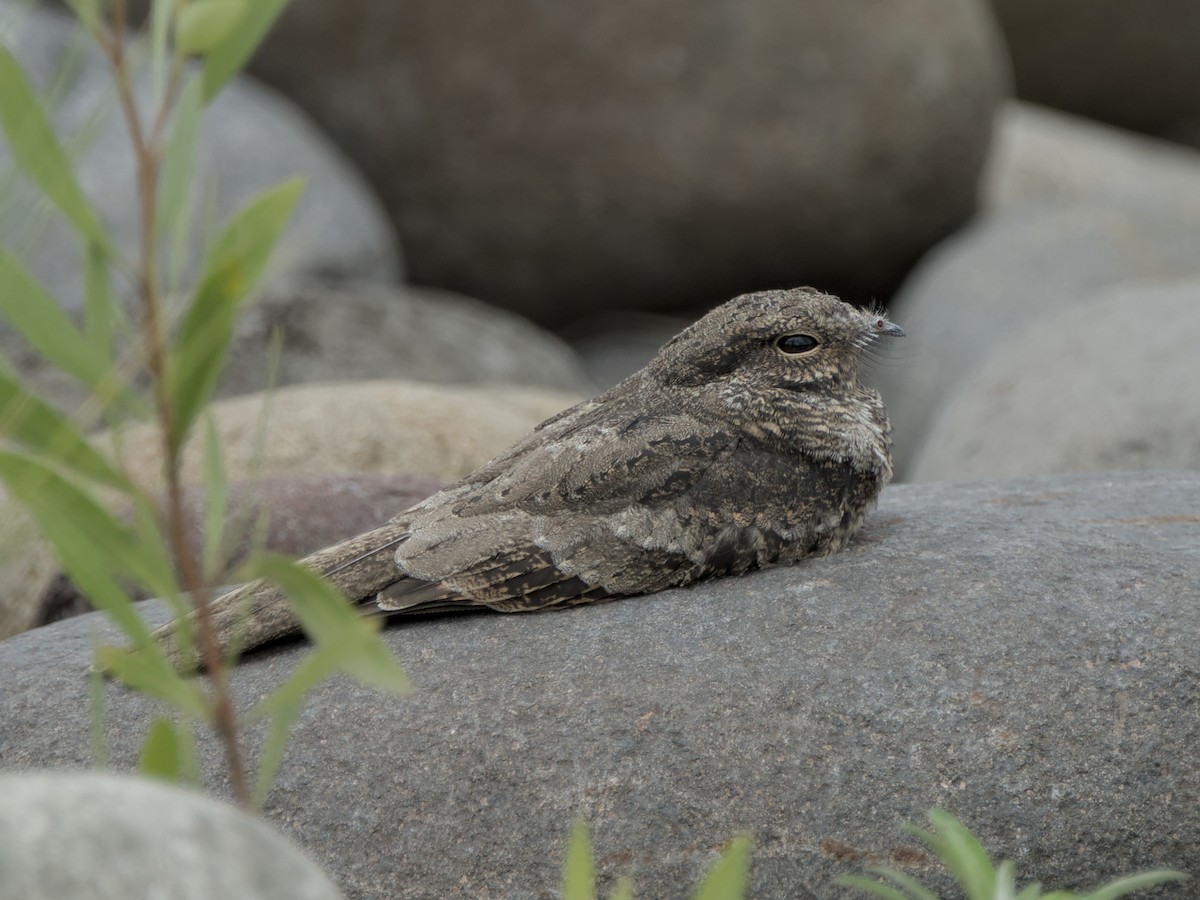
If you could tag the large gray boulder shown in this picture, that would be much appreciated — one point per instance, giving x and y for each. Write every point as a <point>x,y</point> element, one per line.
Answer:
<point>93,836</point>
<point>1106,383</point>
<point>251,139</point>
<point>1132,64</point>
<point>1071,210</point>
<point>566,158</point>
<point>1019,652</point>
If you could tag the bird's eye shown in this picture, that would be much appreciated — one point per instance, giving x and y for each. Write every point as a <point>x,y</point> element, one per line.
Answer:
<point>797,343</point>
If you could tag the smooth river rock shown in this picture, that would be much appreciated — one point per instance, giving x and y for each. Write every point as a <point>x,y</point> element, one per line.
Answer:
<point>1021,653</point>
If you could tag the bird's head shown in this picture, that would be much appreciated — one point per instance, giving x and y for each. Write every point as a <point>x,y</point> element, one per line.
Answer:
<point>798,340</point>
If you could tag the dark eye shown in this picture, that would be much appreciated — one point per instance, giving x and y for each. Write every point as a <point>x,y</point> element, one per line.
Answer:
<point>797,343</point>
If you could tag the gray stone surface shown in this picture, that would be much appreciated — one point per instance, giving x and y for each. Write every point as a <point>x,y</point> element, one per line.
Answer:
<point>251,138</point>
<point>346,331</point>
<point>1071,210</point>
<point>93,836</point>
<point>1106,383</point>
<point>1132,64</point>
<point>560,159</point>
<point>615,345</point>
<point>1019,652</point>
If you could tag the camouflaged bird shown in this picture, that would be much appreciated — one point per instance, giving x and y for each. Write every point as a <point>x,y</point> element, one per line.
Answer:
<point>746,442</point>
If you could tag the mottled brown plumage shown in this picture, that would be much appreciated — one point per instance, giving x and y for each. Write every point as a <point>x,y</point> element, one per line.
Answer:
<point>747,442</point>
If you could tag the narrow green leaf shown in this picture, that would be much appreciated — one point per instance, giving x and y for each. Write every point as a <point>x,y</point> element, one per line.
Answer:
<point>915,889</point>
<point>1031,892</point>
<point>39,154</point>
<point>203,25</point>
<point>91,545</point>
<point>160,756</point>
<point>1006,881</point>
<point>283,706</point>
<point>88,13</point>
<point>727,878</point>
<point>233,267</point>
<point>962,854</point>
<point>26,420</point>
<point>215,502</point>
<point>330,622</point>
<point>140,671</point>
<point>623,890</point>
<point>871,886</point>
<point>230,55</point>
<point>49,330</point>
<point>179,159</point>
<point>1131,883</point>
<point>99,304</point>
<point>579,869</point>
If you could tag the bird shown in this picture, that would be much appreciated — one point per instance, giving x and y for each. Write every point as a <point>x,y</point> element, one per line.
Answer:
<point>748,441</point>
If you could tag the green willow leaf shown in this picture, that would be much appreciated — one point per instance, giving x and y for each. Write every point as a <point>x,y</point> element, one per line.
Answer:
<point>579,868</point>
<point>28,421</point>
<point>160,756</point>
<point>225,59</point>
<point>727,878</point>
<point>204,25</point>
<point>39,154</point>
<point>35,315</point>
<point>282,706</point>
<point>331,622</point>
<point>88,13</point>
<point>234,265</point>
<point>94,548</point>
<point>139,670</point>
<point>623,890</point>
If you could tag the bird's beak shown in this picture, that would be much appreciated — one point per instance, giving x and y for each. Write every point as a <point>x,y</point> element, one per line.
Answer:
<point>891,329</point>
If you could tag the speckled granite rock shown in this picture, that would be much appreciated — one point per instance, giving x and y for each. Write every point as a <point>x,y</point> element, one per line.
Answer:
<point>1019,652</point>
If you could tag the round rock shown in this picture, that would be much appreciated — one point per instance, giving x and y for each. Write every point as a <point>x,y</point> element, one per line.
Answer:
<point>1071,210</point>
<point>93,836</point>
<point>569,158</point>
<point>1021,653</point>
<point>1108,383</point>
<point>1132,64</point>
<point>352,330</point>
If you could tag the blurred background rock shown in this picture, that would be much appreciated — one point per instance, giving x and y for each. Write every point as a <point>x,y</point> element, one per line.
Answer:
<point>569,184</point>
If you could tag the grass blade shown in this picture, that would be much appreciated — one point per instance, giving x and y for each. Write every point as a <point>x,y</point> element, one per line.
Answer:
<point>99,303</point>
<point>727,878</point>
<point>871,886</point>
<point>961,853</point>
<point>39,154</point>
<point>579,868</point>
<point>242,40</point>
<point>234,265</point>
<point>215,503</point>
<point>175,175</point>
<point>1131,883</point>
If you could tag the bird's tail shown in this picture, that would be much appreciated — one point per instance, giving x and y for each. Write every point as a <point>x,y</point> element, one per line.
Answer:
<point>258,612</point>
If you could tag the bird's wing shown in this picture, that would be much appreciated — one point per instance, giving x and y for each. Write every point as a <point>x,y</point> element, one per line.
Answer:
<point>504,541</point>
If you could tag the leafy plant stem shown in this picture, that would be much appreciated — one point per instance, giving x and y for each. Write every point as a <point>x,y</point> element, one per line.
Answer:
<point>146,157</point>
